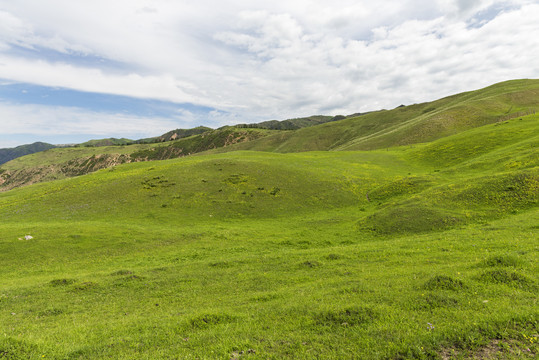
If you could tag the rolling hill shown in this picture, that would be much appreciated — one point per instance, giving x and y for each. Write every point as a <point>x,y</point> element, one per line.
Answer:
<point>106,142</point>
<point>422,245</point>
<point>201,138</point>
<point>75,161</point>
<point>293,124</point>
<point>411,124</point>
<point>13,153</point>
<point>405,125</point>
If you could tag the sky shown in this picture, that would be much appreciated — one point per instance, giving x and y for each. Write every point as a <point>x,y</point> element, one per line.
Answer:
<point>71,71</point>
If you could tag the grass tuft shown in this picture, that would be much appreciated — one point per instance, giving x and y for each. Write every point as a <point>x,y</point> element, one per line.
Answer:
<point>51,312</point>
<point>211,319</point>
<point>502,276</point>
<point>411,218</point>
<point>122,272</point>
<point>354,316</point>
<point>87,285</point>
<point>503,261</point>
<point>435,301</point>
<point>62,282</point>
<point>443,282</point>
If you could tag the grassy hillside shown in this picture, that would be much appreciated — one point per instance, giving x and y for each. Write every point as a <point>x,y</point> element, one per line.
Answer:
<point>414,252</point>
<point>411,124</point>
<point>220,138</point>
<point>60,163</point>
<point>106,142</point>
<point>293,124</point>
<point>175,134</point>
<point>13,153</point>
<point>404,125</point>
<point>68,162</point>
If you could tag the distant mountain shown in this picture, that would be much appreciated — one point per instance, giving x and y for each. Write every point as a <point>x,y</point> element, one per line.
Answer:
<point>290,124</point>
<point>293,124</point>
<point>208,140</point>
<point>80,160</point>
<point>106,142</point>
<point>175,135</point>
<point>13,153</point>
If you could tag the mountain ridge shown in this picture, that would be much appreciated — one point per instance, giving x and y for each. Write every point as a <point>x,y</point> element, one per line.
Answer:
<point>8,154</point>
<point>402,126</point>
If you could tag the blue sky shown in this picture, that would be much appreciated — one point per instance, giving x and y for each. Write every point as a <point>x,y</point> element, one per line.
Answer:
<point>71,71</point>
<point>141,113</point>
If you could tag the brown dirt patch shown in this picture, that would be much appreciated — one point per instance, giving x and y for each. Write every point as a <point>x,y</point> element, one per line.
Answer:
<point>496,349</point>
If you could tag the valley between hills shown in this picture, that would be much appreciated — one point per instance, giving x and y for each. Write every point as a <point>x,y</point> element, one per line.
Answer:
<point>409,233</point>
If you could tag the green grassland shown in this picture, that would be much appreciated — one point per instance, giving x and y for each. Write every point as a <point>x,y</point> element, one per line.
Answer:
<point>13,153</point>
<point>106,142</point>
<point>412,124</point>
<point>420,251</point>
<point>196,143</point>
<point>62,163</point>
<point>405,125</point>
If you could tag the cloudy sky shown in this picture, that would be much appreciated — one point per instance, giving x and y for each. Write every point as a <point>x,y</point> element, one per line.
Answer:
<point>76,70</point>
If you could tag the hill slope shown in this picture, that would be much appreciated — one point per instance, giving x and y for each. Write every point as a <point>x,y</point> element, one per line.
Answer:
<point>441,172</point>
<point>404,125</point>
<point>294,124</point>
<point>13,153</point>
<point>106,142</point>
<point>411,124</point>
<point>67,162</point>
<point>412,252</point>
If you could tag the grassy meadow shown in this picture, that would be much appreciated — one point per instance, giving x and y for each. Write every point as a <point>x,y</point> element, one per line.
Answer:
<point>421,251</point>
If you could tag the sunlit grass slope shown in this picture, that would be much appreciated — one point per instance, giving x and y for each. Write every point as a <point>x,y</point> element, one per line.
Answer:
<point>404,125</point>
<point>195,143</point>
<point>413,252</point>
<point>411,124</point>
<point>62,163</point>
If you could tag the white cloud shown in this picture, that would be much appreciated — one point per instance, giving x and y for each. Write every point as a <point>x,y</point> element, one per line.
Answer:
<point>15,32</point>
<point>9,143</point>
<point>58,121</point>
<point>39,72</point>
<point>414,61</point>
<point>260,60</point>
